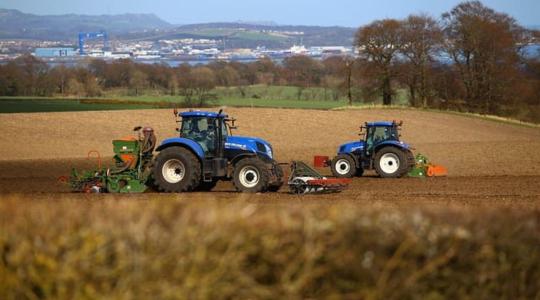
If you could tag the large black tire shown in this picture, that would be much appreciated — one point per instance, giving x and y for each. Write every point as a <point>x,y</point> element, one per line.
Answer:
<point>176,170</point>
<point>391,162</point>
<point>150,182</point>
<point>274,187</point>
<point>251,176</point>
<point>343,166</point>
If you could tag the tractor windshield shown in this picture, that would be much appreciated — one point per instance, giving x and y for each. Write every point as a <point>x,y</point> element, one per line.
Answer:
<point>384,133</point>
<point>203,130</point>
<point>379,134</point>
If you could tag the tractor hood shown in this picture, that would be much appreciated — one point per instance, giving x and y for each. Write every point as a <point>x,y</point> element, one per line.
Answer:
<point>251,144</point>
<point>351,147</point>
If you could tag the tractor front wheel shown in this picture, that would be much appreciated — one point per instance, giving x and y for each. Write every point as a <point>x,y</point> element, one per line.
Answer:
<point>251,176</point>
<point>343,166</point>
<point>391,162</point>
<point>176,170</point>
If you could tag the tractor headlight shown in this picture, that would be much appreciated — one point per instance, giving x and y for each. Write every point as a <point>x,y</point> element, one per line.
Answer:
<point>269,151</point>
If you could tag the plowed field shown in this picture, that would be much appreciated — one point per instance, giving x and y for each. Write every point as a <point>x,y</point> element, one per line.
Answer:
<point>489,162</point>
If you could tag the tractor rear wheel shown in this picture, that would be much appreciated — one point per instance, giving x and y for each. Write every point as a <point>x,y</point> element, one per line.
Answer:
<point>391,162</point>
<point>176,170</point>
<point>343,166</point>
<point>251,176</point>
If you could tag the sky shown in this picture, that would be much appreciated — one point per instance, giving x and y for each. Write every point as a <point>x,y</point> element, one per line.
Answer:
<point>352,13</point>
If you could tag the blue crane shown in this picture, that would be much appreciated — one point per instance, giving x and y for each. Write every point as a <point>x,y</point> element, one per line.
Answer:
<point>92,35</point>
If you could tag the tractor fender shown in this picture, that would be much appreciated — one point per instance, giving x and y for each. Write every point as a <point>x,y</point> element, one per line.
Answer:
<point>241,156</point>
<point>182,142</point>
<point>399,145</point>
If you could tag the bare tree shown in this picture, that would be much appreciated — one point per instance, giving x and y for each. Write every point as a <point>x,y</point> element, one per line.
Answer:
<point>138,81</point>
<point>61,75</point>
<point>422,39</point>
<point>74,87</point>
<point>484,46</point>
<point>302,72</point>
<point>378,44</point>
<point>203,80</point>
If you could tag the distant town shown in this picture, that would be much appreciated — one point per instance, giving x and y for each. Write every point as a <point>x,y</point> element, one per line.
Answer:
<point>172,51</point>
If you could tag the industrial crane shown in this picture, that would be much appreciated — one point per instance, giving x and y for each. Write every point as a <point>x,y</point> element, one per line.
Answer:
<point>92,35</point>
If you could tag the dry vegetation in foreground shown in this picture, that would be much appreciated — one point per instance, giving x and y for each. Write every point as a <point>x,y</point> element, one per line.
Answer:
<point>167,249</point>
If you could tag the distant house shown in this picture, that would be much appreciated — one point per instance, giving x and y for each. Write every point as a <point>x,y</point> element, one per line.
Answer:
<point>54,52</point>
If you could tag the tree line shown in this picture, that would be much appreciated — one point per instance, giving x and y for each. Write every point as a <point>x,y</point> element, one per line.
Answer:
<point>470,59</point>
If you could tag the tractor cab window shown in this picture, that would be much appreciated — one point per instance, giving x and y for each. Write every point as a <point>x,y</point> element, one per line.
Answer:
<point>202,130</point>
<point>225,129</point>
<point>379,134</point>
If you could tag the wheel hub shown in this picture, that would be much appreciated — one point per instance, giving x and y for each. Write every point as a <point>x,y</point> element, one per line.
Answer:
<point>249,176</point>
<point>343,166</point>
<point>173,171</point>
<point>389,163</point>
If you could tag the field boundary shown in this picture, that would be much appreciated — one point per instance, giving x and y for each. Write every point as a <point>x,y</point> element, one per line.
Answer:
<point>268,104</point>
<point>493,118</point>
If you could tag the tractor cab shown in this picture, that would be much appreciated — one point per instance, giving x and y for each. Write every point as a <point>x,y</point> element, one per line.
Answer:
<point>377,133</point>
<point>209,130</point>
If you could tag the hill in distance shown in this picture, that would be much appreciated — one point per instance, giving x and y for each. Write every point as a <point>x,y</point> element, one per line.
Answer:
<point>16,24</point>
<point>251,35</point>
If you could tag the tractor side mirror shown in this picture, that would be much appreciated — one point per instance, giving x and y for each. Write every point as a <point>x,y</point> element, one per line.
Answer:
<point>362,130</point>
<point>232,124</point>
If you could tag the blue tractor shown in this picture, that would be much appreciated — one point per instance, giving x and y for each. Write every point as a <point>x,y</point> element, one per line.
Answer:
<point>381,149</point>
<point>206,152</point>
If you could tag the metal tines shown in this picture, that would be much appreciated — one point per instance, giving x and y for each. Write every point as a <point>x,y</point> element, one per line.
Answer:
<point>306,180</point>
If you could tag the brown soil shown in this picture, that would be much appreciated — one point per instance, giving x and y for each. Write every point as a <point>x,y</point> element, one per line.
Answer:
<point>489,162</point>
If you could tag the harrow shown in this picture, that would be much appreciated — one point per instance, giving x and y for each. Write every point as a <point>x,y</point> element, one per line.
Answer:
<point>423,168</point>
<point>305,180</point>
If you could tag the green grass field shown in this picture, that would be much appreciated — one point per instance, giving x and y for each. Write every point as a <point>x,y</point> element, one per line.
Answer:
<point>254,96</point>
<point>249,96</point>
<point>22,105</point>
<point>233,33</point>
<point>258,36</point>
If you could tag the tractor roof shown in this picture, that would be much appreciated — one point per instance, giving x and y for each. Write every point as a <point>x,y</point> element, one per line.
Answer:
<point>205,114</point>
<point>380,123</point>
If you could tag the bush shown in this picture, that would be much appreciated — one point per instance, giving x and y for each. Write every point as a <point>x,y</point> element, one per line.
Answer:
<point>166,249</point>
